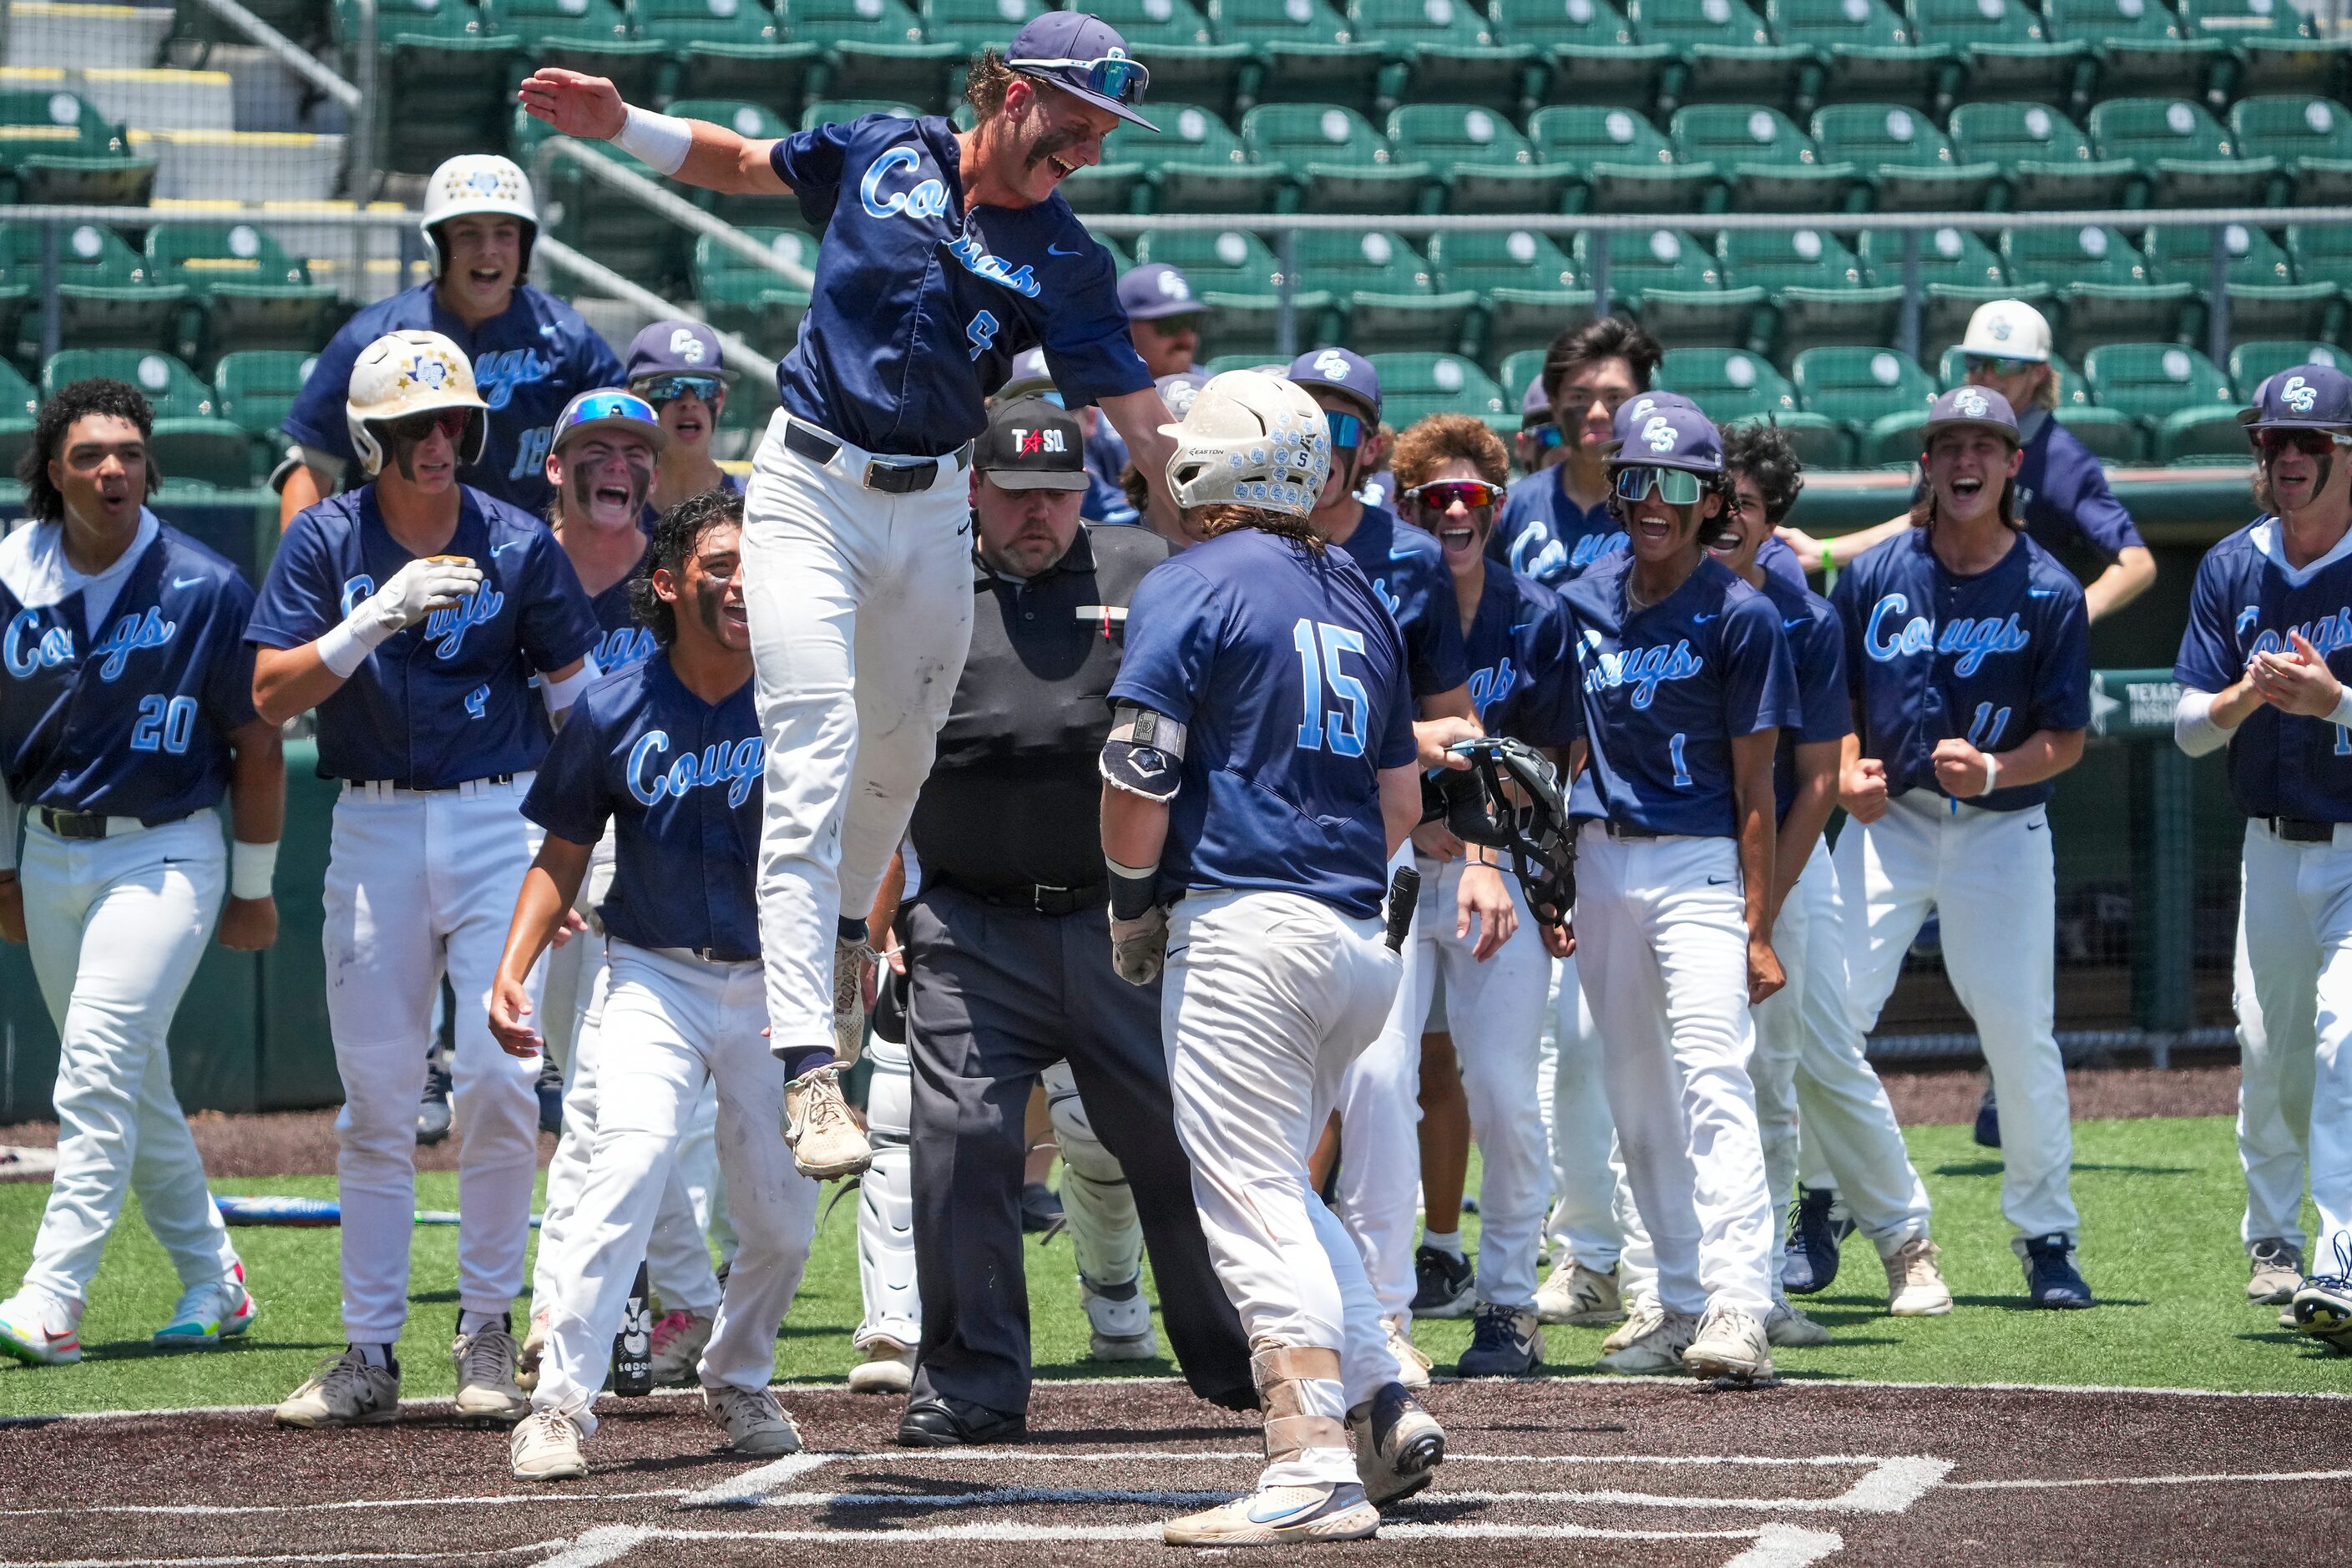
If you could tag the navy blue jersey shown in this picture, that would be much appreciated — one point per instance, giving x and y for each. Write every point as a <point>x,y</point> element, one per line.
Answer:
<point>450,698</point>
<point>2247,599</point>
<point>1817,655</point>
<point>623,639</point>
<point>1546,535</point>
<point>680,779</point>
<point>529,362</point>
<point>1407,570</point>
<point>1106,457</point>
<point>129,717</point>
<point>1291,675</point>
<point>1522,668</point>
<point>919,306</point>
<point>2063,494</point>
<point>1990,659</point>
<point>1665,691</point>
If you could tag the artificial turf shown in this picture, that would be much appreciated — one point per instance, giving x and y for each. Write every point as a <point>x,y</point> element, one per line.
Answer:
<point>2160,1201</point>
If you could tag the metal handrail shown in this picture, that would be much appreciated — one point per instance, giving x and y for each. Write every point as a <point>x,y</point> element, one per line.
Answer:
<point>290,55</point>
<point>1835,222</point>
<point>675,209</point>
<point>741,356</point>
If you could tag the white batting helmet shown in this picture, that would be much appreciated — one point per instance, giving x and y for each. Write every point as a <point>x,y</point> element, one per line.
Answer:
<point>1250,440</point>
<point>408,373</point>
<point>479,182</point>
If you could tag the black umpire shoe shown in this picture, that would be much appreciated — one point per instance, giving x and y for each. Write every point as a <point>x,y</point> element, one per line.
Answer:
<point>1808,1262</point>
<point>940,1421</point>
<point>1442,1284</point>
<point>1041,1208</point>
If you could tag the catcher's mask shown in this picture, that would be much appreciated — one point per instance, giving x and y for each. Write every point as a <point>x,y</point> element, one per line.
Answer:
<point>1511,800</point>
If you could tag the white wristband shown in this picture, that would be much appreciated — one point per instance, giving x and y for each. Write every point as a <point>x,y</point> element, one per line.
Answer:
<point>252,868</point>
<point>560,695</point>
<point>1992,773</point>
<point>2342,713</point>
<point>346,645</point>
<point>661,141</point>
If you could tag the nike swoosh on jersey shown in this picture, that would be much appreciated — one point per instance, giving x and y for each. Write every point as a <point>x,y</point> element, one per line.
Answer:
<point>503,548</point>
<point>1402,550</point>
<point>1052,249</point>
<point>2039,593</point>
<point>1792,625</point>
<point>1702,620</point>
<point>185,582</point>
<point>1523,626</point>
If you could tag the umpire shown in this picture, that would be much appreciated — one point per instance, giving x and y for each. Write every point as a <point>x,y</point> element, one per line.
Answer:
<point>1008,961</point>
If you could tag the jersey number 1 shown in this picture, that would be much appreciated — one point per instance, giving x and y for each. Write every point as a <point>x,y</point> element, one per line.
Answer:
<point>1343,733</point>
<point>163,726</point>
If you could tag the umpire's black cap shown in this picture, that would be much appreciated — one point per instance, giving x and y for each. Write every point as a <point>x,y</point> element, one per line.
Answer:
<point>1031,445</point>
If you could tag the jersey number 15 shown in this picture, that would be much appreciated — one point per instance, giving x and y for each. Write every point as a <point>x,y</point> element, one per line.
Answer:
<point>1320,646</point>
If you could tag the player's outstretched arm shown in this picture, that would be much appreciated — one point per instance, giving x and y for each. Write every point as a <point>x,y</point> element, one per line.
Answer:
<point>1753,808</point>
<point>2132,575</point>
<point>1842,551</point>
<point>256,811</point>
<point>1138,416</point>
<point>694,151</point>
<point>548,889</point>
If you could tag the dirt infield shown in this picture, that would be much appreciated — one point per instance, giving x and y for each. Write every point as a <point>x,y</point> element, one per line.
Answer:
<point>1605,1473</point>
<point>302,1143</point>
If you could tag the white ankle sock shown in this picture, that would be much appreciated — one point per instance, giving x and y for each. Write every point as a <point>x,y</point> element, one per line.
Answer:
<point>1448,1242</point>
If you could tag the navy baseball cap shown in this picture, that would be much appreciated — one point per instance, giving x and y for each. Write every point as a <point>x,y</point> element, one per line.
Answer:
<point>2309,397</point>
<point>1085,56</point>
<point>1339,370</point>
<point>1663,430</point>
<point>609,408</point>
<point>1535,408</point>
<point>1178,389</point>
<point>1971,408</point>
<point>1156,291</point>
<point>673,347</point>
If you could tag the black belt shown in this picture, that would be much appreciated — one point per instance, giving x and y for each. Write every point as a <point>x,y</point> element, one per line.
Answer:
<point>2300,830</point>
<point>1037,898</point>
<point>90,824</point>
<point>891,476</point>
<point>1625,831</point>
<point>431,789</point>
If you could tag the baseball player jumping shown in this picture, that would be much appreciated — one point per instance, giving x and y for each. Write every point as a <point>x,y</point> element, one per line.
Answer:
<point>944,254</point>
<point>126,709</point>
<point>1967,656</point>
<point>2266,622</point>
<point>669,752</point>
<point>1260,772</point>
<point>409,613</point>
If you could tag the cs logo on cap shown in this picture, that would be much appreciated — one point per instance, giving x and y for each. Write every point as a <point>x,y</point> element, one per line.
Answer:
<point>1660,435</point>
<point>1172,284</point>
<point>1970,404</point>
<point>1329,362</point>
<point>2299,396</point>
<point>686,345</point>
<point>2001,330</point>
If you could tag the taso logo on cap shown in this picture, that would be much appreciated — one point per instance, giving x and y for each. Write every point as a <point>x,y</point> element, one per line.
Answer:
<point>1036,443</point>
<point>2299,396</point>
<point>686,345</point>
<point>1332,364</point>
<point>1660,435</point>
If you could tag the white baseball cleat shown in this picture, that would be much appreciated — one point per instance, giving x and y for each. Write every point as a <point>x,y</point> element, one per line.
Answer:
<point>39,1330</point>
<point>825,1140</point>
<point>486,1362</point>
<point>534,1345</point>
<point>1914,1286</point>
<point>1398,1444</point>
<point>755,1424</point>
<point>679,1342</point>
<point>1787,1325</point>
<point>1655,1340</point>
<point>1631,1328</point>
<point>1730,1344</point>
<point>208,1313</point>
<point>2275,1272</point>
<point>1279,1514</point>
<point>1573,1293</point>
<point>546,1447</point>
<point>1118,1330</point>
<point>888,1368</point>
<point>344,1392</point>
<point>1413,1362</point>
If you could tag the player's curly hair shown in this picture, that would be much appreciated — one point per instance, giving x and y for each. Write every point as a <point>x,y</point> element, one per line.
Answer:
<point>1762,452</point>
<point>677,533</point>
<point>78,400</point>
<point>1608,337</point>
<point>1428,445</point>
<point>1209,522</point>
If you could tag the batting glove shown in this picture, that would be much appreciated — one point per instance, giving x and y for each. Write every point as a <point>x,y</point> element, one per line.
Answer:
<point>1139,948</point>
<point>415,591</point>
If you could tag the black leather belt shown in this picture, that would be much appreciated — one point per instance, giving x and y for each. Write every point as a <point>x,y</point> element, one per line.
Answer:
<point>431,789</point>
<point>90,824</point>
<point>1037,898</point>
<point>1625,831</point>
<point>891,476</point>
<point>2302,830</point>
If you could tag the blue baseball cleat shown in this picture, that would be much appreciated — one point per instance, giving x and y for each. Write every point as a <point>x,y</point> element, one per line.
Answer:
<point>1988,1129</point>
<point>1809,1264</point>
<point>2051,1278</point>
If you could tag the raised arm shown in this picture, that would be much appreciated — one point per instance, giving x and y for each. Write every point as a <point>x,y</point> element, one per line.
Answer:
<point>693,151</point>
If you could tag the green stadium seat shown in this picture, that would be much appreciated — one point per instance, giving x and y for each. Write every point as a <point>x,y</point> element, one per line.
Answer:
<point>1672,283</point>
<point>1626,164</point>
<point>1892,440</point>
<point>2112,435</point>
<point>1450,51</point>
<point>191,441</point>
<point>2278,47</point>
<point>2102,284</point>
<point>1486,164</point>
<point>1198,165</point>
<point>1519,370</point>
<point>18,400</point>
<point>972,26</point>
<point>2045,159</point>
<point>1188,64</point>
<point>1820,444</point>
<point>1771,165</point>
<point>1416,385</point>
<point>1856,387</point>
<point>732,50</point>
<point>1591,49</point>
<point>252,293</point>
<point>2184,156</point>
<point>1386,293</point>
<point>1239,284</point>
<point>841,110</point>
<point>2252,363</point>
<point>1217,364</point>
<point>1724,52</point>
<point>1727,383</point>
<point>2309,138</point>
<point>2322,253</point>
<point>876,49</point>
<point>1957,270</point>
<point>444,82</point>
<point>1867,50</point>
<point>1908,162</point>
<point>2009,53</point>
<point>742,297</point>
<point>592,36</point>
<point>745,119</point>
<point>108,296</point>
<point>56,148</point>
<point>1336,161</point>
<point>1815,285</point>
<point>2140,45</point>
<point>2152,382</point>
<point>1529,284</point>
<point>1310,52</point>
<point>256,388</point>
<point>2265,301</point>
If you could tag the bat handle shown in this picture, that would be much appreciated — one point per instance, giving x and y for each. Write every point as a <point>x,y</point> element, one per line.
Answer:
<point>1404,892</point>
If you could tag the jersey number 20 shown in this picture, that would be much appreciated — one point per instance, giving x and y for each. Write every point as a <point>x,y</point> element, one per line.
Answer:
<point>1320,646</point>
<point>163,726</point>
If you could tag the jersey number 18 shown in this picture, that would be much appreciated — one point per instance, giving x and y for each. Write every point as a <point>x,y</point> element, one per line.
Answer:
<point>1342,733</point>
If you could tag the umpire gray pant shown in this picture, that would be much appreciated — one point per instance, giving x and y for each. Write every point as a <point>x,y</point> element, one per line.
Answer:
<point>997,995</point>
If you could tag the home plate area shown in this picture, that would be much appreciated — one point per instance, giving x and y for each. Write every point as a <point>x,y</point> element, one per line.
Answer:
<point>1600,1473</point>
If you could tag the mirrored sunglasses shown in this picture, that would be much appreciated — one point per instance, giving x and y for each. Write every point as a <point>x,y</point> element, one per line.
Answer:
<point>2311,443</point>
<point>670,388</point>
<point>1115,76</point>
<point>1444,495</point>
<point>450,422</point>
<point>1992,366</point>
<point>606,405</point>
<point>1347,430</point>
<point>1547,435</point>
<point>1675,486</point>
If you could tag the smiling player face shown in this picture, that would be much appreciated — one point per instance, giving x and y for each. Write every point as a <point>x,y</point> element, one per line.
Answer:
<point>1745,530</point>
<point>1968,469</point>
<point>708,591</point>
<point>485,252</point>
<point>604,478</point>
<point>1659,534</point>
<point>1054,135</point>
<point>1460,530</point>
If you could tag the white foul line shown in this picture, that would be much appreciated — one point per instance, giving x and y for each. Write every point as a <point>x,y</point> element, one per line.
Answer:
<point>2214,1480</point>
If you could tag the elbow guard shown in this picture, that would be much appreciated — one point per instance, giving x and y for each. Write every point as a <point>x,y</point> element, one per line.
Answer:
<point>1145,753</point>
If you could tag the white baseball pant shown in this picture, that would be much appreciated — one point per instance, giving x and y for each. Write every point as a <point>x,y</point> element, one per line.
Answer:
<point>673,1023</point>
<point>1098,1205</point>
<point>885,1204</point>
<point>1584,1169</point>
<point>1268,998</point>
<point>860,606</point>
<point>117,926</point>
<point>1662,933</point>
<point>1992,879</point>
<point>1379,1184</point>
<point>2293,994</point>
<point>418,884</point>
<point>1848,1137</point>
